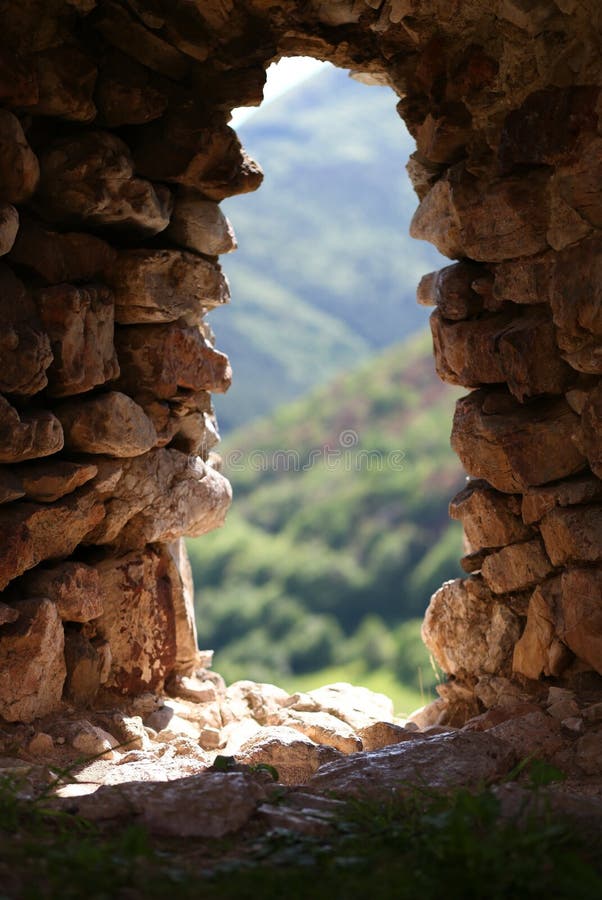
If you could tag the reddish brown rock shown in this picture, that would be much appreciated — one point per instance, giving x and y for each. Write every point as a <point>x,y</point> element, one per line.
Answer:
<point>31,533</point>
<point>8,614</point>
<point>489,518</point>
<point>294,755</point>
<point>200,225</point>
<point>446,760</point>
<point>535,733</point>
<point>469,630</point>
<point>52,479</point>
<point>546,127</point>
<point>10,486</point>
<point>164,286</point>
<point>159,497</point>
<point>24,345</point>
<point>128,34</point>
<point>164,360</point>
<point>89,178</point>
<point>183,148</point>
<point>111,423</point>
<point>573,534</point>
<point>79,321</point>
<point>515,446</point>
<point>581,627</point>
<point>490,222</point>
<point>73,586</point>
<point>538,501</point>
<point>32,667</point>
<point>138,620</point>
<point>454,294</point>
<point>66,79</point>
<point>589,435</point>
<point>19,169</point>
<point>127,93</point>
<point>57,257</point>
<point>516,567</point>
<point>18,80</point>
<point>9,226</point>
<point>84,667</point>
<point>27,435</point>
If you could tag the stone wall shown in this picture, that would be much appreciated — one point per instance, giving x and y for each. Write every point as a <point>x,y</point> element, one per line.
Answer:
<point>115,154</point>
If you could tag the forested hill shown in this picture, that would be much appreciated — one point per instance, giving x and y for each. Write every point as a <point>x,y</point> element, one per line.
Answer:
<point>339,525</point>
<point>326,272</point>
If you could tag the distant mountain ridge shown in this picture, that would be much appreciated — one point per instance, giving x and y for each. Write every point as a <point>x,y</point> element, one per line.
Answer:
<point>326,271</point>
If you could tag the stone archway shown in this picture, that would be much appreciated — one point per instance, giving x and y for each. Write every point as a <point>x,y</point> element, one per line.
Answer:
<point>116,154</point>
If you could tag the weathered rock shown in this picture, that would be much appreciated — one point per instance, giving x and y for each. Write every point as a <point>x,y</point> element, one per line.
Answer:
<point>24,345</point>
<point>31,532</point>
<point>459,759</point>
<point>357,706</point>
<point>200,225</point>
<point>207,805</point>
<point>127,93</point>
<point>589,754</point>
<point>262,702</point>
<point>164,360</point>
<point>385,734</point>
<point>49,480</point>
<point>85,669</point>
<point>66,79</point>
<point>186,423</point>
<point>8,614</point>
<point>514,446</point>
<point>41,744</point>
<point>538,501</point>
<point>322,728</point>
<point>73,586</point>
<point>158,497</point>
<point>91,740</point>
<point>501,220</point>
<point>581,627</point>
<point>19,169</point>
<point>138,619</point>
<point>573,534</point>
<point>188,658</point>
<point>110,423</point>
<point>18,81</point>
<point>469,630</point>
<point>533,734</point>
<point>27,435</point>
<point>9,226</point>
<point>589,435</point>
<point>294,756</point>
<point>89,178</point>
<point>57,257</point>
<point>79,321</point>
<point>489,518</point>
<point>32,668</point>
<point>10,486</point>
<point>164,286</point>
<point>539,650</point>
<point>516,567</point>
<point>181,147</point>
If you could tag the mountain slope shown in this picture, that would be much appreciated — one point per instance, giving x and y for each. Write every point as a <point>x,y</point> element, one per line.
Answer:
<point>340,514</point>
<point>326,272</point>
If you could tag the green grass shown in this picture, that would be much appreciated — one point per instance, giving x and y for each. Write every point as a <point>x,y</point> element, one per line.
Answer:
<point>416,843</point>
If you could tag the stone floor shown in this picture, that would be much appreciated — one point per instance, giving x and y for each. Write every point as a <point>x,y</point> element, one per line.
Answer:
<point>206,759</point>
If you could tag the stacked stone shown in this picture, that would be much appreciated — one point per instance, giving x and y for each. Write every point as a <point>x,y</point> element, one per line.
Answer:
<point>111,172</point>
<point>518,321</point>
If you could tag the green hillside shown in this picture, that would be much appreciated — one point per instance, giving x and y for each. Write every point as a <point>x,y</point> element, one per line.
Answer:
<point>339,530</point>
<point>325,273</point>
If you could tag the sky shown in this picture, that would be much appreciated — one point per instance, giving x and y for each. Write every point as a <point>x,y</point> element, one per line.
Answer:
<point>281,76</point>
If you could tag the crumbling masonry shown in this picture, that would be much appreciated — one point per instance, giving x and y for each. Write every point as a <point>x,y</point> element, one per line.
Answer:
<point>114,155</point>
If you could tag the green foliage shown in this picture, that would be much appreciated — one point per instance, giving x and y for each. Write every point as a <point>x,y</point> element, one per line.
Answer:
<point>325,236</point>
<point>339,529</point>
